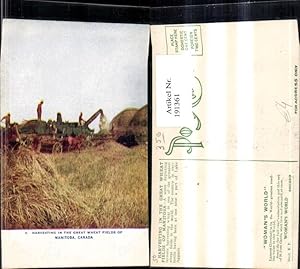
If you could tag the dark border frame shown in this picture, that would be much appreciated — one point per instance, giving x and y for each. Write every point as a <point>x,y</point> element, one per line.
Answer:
<point>152,12</point>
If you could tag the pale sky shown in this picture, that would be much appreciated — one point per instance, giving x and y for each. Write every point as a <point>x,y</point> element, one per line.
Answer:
<point>73,67</point>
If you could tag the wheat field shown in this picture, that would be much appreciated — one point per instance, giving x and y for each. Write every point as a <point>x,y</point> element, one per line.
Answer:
<point>101,187</point>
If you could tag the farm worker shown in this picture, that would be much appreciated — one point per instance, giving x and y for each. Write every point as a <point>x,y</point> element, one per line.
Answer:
<point>39,110</point>
<point>81,121</point>
<point>103,125</point>
<point>15,132</point>
<point>53,129</point>
<point>7,120</point>
<point>13,135</point>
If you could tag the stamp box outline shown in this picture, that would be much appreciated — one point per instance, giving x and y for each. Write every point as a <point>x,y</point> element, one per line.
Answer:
<point>184,26</point>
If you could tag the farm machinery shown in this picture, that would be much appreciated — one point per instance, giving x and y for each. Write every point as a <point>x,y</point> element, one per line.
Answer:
<point>52,136</point>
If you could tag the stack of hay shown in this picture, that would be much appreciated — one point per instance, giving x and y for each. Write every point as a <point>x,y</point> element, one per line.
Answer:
<point>139,125</point>
<point>131,121</point>
<point>35,196</point>
<point>120,123</point>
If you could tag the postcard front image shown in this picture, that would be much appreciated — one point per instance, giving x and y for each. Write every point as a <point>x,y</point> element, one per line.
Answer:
<point>74,144</point>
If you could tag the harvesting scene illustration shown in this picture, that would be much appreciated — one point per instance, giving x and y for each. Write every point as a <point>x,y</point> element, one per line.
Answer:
<point>60,174</point>
<point>74,125</point>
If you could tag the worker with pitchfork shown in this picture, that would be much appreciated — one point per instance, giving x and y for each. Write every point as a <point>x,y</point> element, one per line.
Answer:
<point>6,118</point>
<point>39,110</point>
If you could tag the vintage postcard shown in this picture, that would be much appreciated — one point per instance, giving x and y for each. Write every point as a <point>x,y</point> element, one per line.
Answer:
<point>225,143</point>
<point>74,158</point>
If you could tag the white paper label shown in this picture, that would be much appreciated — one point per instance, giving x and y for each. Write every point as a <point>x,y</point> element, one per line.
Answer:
<point>174,84</point>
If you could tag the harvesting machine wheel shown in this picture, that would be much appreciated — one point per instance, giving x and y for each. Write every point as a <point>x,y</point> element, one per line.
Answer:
<point>57,148</point>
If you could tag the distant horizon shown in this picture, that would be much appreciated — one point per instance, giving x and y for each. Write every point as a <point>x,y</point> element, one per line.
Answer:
<point>73,67</point>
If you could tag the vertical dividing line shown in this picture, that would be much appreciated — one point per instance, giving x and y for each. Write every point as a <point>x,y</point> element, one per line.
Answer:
<point>245,138</point>
<point>215,95</point>
<point>149,145</point>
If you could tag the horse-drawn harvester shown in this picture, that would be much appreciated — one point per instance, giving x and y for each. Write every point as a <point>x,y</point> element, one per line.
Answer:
<point>52,136</point>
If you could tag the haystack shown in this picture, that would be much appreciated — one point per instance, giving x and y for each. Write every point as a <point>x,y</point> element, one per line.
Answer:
<point>138,126</point>
<point>32,125</point>
<point>120,123</point>
<point>35,196</point>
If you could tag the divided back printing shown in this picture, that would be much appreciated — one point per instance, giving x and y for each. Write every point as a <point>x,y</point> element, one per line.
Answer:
<point>225,187</point>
